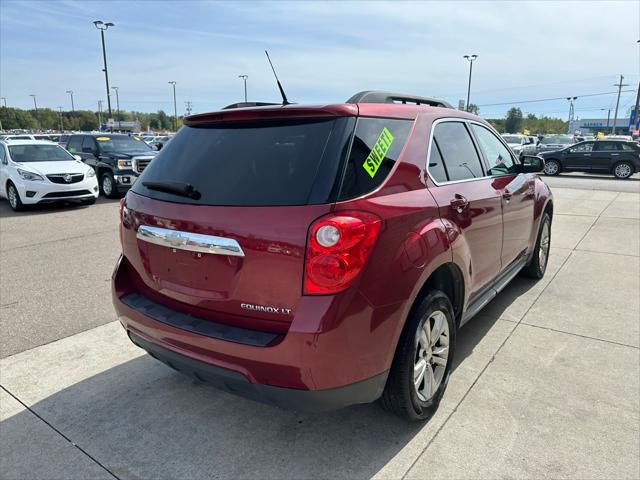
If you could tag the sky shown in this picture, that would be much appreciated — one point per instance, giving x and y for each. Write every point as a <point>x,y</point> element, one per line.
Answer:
<point>324,51</point>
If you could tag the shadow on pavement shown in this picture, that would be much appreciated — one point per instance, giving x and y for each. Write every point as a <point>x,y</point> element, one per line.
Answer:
<point>142,420</point>
<point>45,208</point>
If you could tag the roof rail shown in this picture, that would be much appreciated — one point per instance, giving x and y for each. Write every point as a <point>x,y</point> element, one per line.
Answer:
<point>378,96</point>
<point>248,104</point>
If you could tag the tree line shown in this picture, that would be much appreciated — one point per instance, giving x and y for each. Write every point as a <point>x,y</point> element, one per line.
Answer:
<point>515,122</point>
<point>83,120</point>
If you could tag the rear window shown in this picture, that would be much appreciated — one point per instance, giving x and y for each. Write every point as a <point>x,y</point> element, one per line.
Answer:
<point>253,164</point>
<point>377,144</point>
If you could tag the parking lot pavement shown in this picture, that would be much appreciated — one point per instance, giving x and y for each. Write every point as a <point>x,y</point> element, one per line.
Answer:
<point>545,385</point>
<point>55,267</point>
<point>595,182</point>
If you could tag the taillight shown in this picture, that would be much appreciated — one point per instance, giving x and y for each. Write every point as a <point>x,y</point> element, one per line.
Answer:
<point>125,217</point>
<point>337,249</point>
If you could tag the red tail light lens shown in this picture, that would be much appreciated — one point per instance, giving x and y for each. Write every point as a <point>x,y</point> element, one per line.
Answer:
<point>337,249</point>
<point>124,213</point>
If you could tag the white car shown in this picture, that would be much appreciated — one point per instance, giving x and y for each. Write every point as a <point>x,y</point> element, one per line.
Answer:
<point>35,171</point>
<point>520,144</point>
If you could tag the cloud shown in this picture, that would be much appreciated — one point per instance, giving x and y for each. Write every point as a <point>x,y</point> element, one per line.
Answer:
<point>324,51</point>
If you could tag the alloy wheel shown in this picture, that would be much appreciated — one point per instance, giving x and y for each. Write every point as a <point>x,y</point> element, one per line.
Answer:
<point>432,353</point>
<point>622,170</point>
<point>13,196</point>
<point>551,168</point>
<point>107,185</point>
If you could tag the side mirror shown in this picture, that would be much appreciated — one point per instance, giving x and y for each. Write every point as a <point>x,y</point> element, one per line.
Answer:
<point>531,164</point>
<point>78,157</point>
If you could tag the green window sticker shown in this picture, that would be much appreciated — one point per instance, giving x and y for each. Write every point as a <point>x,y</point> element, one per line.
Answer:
<point>378,152</point>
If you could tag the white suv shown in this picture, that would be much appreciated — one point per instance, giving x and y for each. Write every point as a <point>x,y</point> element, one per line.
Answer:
<point>35,171</point>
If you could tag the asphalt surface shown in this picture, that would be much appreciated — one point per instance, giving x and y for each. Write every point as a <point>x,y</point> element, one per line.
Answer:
<point>55,269</point>
<point>545,381</point>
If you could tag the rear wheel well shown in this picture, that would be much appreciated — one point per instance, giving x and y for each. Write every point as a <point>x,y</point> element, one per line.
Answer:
<point>448,279</point>
<point>548,208</point>
<point>630,163</point>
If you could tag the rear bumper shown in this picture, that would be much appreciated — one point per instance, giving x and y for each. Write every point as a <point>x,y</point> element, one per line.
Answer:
<point>237,384</point>
<point>336,352</point>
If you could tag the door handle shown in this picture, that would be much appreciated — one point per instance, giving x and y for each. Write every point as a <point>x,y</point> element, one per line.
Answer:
<point>615,154</point>
<point>507,195</point>
<point>459,203</point>
<point>587,154</point>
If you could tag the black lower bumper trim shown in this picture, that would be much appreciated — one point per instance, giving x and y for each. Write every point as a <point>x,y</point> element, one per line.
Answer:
<point>233,382</point>
<point>246,336</point>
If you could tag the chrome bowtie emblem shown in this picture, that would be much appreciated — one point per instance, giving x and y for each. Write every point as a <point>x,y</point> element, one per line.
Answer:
<point>176,239</point>
<point>67,178</point>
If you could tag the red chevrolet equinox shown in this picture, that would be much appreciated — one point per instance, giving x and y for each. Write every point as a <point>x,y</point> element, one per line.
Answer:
<point>315,257</point>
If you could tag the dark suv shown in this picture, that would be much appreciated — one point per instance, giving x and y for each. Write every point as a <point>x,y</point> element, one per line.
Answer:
<point>315,257</point>
<point>618,157</point>
<point>117,159</point>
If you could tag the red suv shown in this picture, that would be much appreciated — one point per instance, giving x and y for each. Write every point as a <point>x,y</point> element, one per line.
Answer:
<point>315,257</point>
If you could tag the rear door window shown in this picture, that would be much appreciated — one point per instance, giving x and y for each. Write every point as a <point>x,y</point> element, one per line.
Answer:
<point>376,146</point>
<point>75,144</point>
<point>88,145</point>
<point>263,163</point>
<point>436,168</point>
<point>458,151</point>
<point>607,147</point>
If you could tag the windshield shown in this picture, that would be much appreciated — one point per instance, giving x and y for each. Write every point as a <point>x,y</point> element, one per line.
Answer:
<point>39,153</point>
<point>557,139</point>
<point>123,144</point>
<point>512,139</point>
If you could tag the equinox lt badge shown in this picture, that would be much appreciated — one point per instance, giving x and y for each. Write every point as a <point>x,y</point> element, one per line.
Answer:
<point>267,309</point>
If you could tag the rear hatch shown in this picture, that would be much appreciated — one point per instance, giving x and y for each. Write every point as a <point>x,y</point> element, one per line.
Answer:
<point>218,222</point>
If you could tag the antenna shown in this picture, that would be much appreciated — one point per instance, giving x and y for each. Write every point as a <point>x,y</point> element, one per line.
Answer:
<point>284,96</point>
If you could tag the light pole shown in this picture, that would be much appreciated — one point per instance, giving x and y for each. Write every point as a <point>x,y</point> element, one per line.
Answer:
<point>100,115</point>
<point>73,108</point>
<point>608,110</point>
<point>244,77</point>
<point>471,59</point>
<point>117,105</point>
<point>175,107</point>
<point>35,105</point>
<point>570,120</point>
<point>615,115</point>
<point>100,25</point>
<point>4,100</point>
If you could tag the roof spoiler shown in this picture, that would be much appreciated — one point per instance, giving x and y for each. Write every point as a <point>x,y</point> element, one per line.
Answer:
<point>248,104</point>
<point>378,96</point>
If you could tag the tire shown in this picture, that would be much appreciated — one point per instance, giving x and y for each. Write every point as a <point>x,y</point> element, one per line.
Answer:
<point>401,396</point>
<point>552,167</point>
<point>14,198</point>
<point>538,263</point>
<point>623,170</point>
<point>108,185</point>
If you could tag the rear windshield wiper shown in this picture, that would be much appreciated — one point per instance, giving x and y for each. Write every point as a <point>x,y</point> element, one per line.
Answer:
<point>177,188</point>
